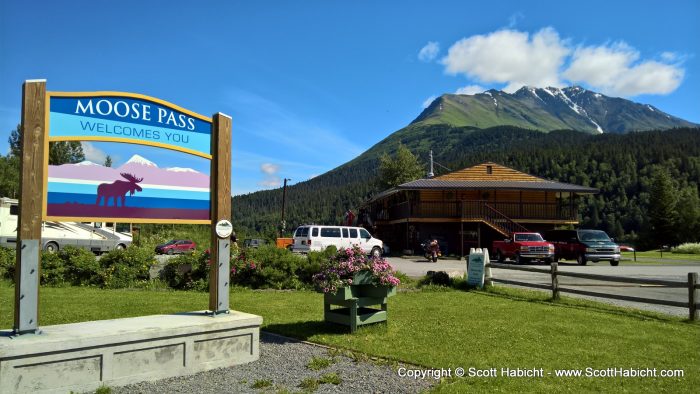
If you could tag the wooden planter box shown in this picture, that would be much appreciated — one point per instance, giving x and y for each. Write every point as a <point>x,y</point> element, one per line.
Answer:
<point>355,299</point>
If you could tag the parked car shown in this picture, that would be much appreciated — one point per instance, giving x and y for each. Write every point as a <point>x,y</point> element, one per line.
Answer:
<point>254,242</point>
<point>176,246</point>
<point>523,247</point>
<point>316,238</point>
<point>584,246</point>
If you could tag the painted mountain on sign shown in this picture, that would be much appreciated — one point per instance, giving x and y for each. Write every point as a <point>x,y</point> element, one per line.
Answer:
<point>151,173</point>
<point>138,190</point>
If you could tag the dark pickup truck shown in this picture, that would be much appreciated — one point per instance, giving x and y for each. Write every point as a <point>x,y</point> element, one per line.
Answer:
<point>523,247</point>
<point>584,246</point>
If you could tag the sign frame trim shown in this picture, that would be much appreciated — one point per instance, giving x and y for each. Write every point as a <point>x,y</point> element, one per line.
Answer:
<point>107,93</point>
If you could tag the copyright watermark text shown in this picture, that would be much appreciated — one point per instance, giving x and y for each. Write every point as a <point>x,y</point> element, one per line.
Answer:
<point>472,372</point>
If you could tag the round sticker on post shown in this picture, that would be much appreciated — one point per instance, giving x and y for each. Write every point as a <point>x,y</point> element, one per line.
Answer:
<point>223,228</point>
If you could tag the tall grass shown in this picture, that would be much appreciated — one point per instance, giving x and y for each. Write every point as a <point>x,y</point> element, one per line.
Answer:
<point>687,248</point>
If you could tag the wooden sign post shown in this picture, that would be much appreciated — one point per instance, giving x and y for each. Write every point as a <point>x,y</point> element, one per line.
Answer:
<point>83,193</point>
<point>34,145</point>
<point>220,210</point>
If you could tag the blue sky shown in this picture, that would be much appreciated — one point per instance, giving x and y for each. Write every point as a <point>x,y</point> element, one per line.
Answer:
<point>312,84</point>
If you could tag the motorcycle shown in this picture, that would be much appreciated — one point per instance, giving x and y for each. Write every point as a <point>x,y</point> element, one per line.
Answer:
<point>430,253</point>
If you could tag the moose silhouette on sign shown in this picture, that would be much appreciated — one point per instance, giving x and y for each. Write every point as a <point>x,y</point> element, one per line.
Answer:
<point>118,189</point>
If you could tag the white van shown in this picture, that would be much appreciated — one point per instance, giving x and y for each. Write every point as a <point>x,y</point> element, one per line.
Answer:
<point>316,238</point>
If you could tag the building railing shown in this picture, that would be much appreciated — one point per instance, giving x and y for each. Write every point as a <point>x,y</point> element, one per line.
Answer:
<point>477,209</point>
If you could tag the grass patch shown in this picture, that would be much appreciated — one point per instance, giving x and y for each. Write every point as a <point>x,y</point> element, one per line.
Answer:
<point>309,384</point>
<point>653,256</point>
<point>103,390</point>
<point>330,378</point>
<point>261,383</point>
<point>496,328</point>
<point>318,363</point>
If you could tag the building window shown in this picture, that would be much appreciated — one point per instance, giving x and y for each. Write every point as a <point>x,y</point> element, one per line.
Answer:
<point>489,170</point>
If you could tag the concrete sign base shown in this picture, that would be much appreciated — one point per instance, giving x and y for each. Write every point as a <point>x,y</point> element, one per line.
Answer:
<point>84,356</point>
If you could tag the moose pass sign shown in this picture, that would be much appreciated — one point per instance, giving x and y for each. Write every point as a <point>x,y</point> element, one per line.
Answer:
<point>139,190</point>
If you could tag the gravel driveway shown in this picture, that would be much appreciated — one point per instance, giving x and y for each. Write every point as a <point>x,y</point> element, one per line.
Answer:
<point>282,367</point>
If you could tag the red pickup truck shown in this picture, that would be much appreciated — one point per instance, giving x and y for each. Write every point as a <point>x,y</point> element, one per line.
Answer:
<point>522,247</point>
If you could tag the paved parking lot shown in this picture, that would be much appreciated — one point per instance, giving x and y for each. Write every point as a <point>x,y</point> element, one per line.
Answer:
<point>417,267</point>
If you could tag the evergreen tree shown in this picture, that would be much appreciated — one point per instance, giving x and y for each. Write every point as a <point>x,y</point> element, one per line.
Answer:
<point>62,152</point>
<point>9,181</point>
<point>688,214</point>
<point>662,210</point>
<point>401,168</point>
<point>65,152</point>
<point>108,161</point>
<point>14,141</point>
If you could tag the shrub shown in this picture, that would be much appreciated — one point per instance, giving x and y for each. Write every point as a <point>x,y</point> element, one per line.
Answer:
<point>81,267</point>
<point>689,248</point>
<point>268,267</point>
<point>123,268</point>
<point>314,262</point>
<point>7,263</point>
<point>72,266</point>
<point>188,271</point>
<point>52,269</point>
<point>440,278</point>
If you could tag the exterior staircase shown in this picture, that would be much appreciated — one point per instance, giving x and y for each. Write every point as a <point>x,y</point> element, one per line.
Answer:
<point>500,222</point>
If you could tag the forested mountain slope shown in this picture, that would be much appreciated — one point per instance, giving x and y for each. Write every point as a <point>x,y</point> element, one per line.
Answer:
<point>621,166</point>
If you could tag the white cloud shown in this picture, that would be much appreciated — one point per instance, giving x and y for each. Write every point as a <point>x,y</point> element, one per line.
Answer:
<point>669,56</point>
<point>429,52</point>
<point>270,178</point>
<point>271,181</point>
<point>516,59</point>
<point>514,19</point>
<point>428,101</point>
<point>94,154</point>
<point>471,89</point>
<point>509,56</point>
<point>269,168</point>
<point>616,70</point>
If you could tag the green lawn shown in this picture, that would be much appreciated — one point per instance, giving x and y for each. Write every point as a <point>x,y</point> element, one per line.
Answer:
<point>654,254</point>
<point>653,257</point>
<point>442,329</point>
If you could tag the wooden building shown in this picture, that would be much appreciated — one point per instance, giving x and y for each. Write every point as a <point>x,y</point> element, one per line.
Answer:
<point>471,208</point>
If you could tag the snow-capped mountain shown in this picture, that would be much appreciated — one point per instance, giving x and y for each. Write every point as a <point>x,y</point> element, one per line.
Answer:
<point>136,159</point>
<point>180,169</point>
<point>546,109</point>
<point>86,163</point>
